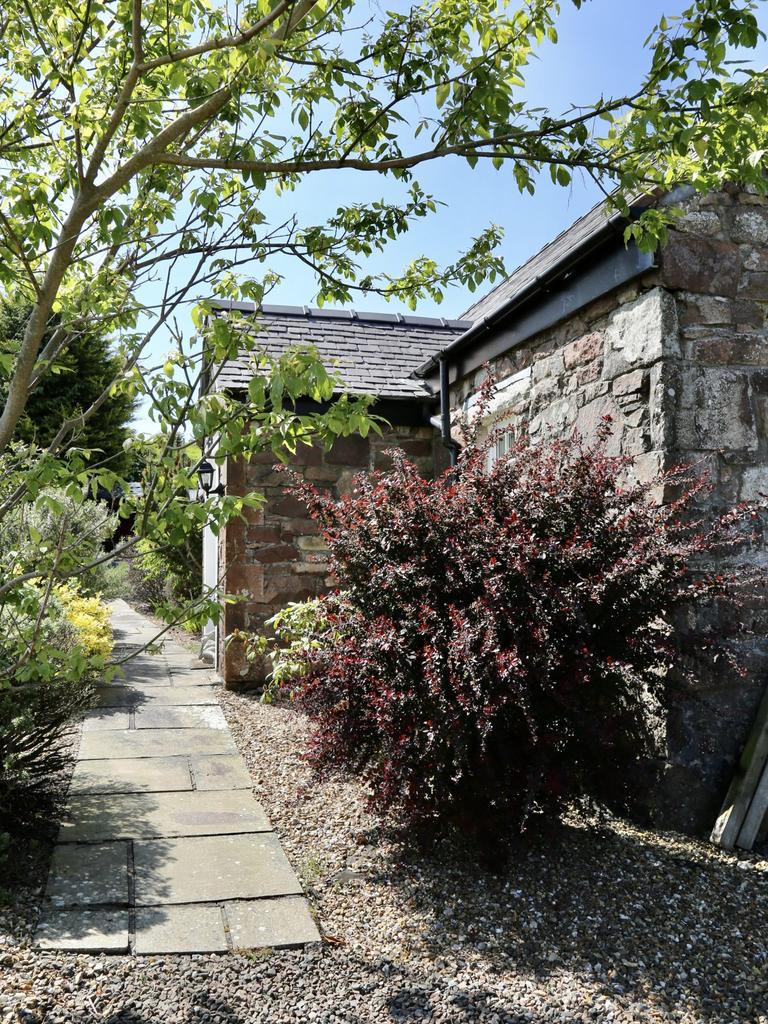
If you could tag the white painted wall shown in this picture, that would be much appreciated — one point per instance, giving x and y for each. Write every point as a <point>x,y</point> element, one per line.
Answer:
<point>209,645</point>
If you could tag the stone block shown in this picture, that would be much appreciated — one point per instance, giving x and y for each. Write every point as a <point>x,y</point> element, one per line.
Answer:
<point>749,226</point>
<point>414,447</point>
<point>245,579</point>
<point>705,309</point>
<point>349,451</point>
<point>663,387</point>
<point>701,222</point>
<point>271,922</point>
<point>543,394</point>
<point>308,455</point>
<point>753,483</point>
<point>211,868</point>
<point>547,367</point>
<point>623,440</point>
<point>714,411</point>
<point>263,535</point>
<point>132,775</point>
<point>703,265</point>
<point>648,466</point>
<point>749,313</point>
<point>299,528</point>
<point>265,478</point>
<point>583,350</point>
<point>191,929</point>
<point>83,875</point>
<point>311,544</point>
<point>322,474</point>
<point>555,419</point>
<point>632,383</point>
<point>276,553</point>
<point>235,470</point>
<point>593,391</point>
<point>729,349</point>
<point>288,505</point>
<point>94,819</point>
<point>641,333</point>
<point>289,587</point>
<point>755,286</point>
<point>83,931</point>
<point>586,374</point>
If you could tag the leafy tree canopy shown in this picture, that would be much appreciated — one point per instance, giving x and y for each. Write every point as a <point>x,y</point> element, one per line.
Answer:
<point>138,140</point>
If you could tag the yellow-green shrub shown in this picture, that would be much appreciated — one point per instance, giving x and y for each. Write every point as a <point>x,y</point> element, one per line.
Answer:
<point>90,617</point>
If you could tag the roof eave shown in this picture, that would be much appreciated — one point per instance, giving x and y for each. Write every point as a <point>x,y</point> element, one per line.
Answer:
<point>569,262</point>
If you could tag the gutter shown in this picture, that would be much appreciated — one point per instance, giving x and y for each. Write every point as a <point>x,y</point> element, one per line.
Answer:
<point>445,413</point>
<point>539,285</point>
<point>559,270</point>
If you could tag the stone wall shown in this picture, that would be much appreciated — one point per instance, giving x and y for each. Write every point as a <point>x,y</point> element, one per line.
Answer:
<point>608,360</point>
<point>715,267</point>
<point>679,360</point>
<point>275,556</point>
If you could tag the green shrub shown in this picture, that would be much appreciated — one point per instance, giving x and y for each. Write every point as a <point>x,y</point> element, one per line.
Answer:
<point>52,646</point>
<point>296,629</point>
<point>114,581</point>
<point>61,530</point>
<point>55,638</point>
<point>162,578</point>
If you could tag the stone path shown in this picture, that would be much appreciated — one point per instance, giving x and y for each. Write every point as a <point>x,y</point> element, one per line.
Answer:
<point>163,848</point>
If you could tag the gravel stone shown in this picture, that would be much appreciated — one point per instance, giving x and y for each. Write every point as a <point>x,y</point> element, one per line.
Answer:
<point>587,925</point>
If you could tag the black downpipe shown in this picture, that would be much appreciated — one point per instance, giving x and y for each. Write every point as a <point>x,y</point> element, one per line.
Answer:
<point>445,413</point>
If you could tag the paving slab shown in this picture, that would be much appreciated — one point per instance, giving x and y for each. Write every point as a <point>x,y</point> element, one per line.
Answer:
<point>274,922</point>
<point>82,875</point>
<point>220,771</point>
<point>104,719</point>
<point>203,717</point>
<point>155,743</point>
<point>212,868</point>
<point>97,818</point>
<point>132,775</point>
<point>84,931</point>
<point>190,929</point>
<point>204,677</point>
<point>139,694</point>
<point>176,655</point>
<point>131,673</point>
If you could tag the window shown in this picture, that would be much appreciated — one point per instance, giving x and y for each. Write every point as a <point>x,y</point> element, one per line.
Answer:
<point>508,407</point>
<point>504,442</point>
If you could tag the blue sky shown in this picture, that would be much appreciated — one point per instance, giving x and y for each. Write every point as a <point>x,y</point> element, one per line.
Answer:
<point>600,51</point>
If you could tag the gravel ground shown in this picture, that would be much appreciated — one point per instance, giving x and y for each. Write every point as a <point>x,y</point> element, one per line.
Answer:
<point>590,925</point>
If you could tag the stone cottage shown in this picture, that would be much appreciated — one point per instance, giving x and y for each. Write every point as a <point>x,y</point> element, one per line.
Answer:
<point>672,345</point>
<point>275,557</point>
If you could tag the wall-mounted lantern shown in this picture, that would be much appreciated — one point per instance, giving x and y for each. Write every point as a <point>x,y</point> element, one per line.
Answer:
<point>205,475</point>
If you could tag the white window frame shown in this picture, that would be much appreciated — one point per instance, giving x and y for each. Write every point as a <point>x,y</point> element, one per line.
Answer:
<point>507,393</point>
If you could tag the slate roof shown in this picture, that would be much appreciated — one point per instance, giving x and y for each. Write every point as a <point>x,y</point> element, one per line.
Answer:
<point>579,234</point>
<point>374,353</point>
